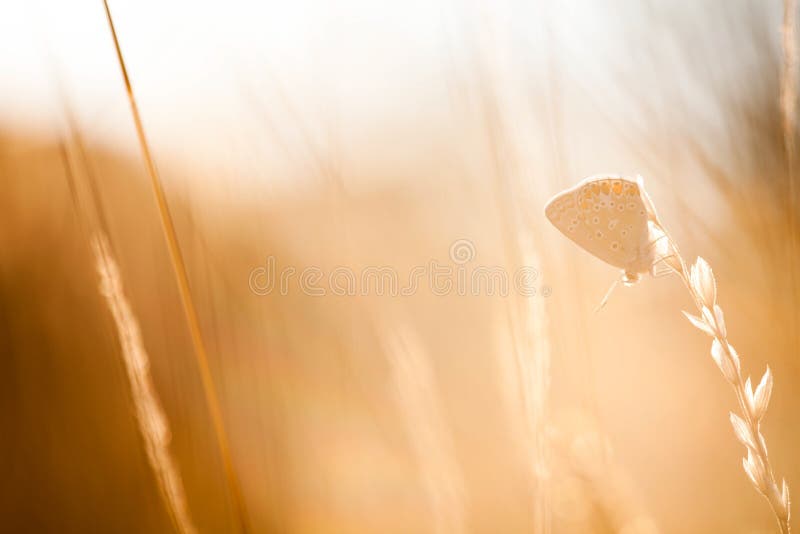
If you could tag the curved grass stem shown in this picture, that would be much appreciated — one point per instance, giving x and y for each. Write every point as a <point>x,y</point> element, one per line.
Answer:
<point>700,283</point>
<point>190,311</point>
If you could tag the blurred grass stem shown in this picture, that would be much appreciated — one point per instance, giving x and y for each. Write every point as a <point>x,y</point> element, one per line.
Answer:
<point>179,266</point>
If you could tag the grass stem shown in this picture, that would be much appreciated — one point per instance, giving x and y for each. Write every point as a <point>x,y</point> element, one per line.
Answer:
<point>179,267</point>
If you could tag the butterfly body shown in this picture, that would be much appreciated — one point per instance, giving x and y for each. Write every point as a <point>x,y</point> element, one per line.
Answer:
<point>613,219</point>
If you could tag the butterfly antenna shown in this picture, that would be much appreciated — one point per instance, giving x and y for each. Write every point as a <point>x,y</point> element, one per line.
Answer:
<point>607,295</point>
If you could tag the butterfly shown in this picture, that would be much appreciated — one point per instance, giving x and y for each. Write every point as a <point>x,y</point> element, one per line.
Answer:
<point>612,218</point>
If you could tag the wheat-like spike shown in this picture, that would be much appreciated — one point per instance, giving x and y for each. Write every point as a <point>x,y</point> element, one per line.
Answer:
<point>700,282</point>
<point>152,420</point>
<point>179,267</point>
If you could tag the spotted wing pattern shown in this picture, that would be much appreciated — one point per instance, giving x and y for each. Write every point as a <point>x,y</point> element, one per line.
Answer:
<point>605,216</point>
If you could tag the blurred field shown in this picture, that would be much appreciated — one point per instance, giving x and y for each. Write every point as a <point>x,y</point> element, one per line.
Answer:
<point>363,135</point>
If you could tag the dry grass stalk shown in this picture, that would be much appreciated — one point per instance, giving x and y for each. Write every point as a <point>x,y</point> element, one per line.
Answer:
<point>152,420</point>
<point>788,97</point>
<point>525,316</point>
<point>533,366</point>
<point>179,266</point>
<point>700,282</point>
<point>788,104</point>
<point>416,395</point>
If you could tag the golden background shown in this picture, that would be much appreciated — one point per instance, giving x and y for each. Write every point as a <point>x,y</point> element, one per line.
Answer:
<point>365,134</point>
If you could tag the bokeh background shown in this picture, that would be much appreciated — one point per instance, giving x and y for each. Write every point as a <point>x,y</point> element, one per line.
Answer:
<point>361,134</point>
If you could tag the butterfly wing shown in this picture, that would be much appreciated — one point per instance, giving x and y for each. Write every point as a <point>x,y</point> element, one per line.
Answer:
<point>604,215</point>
